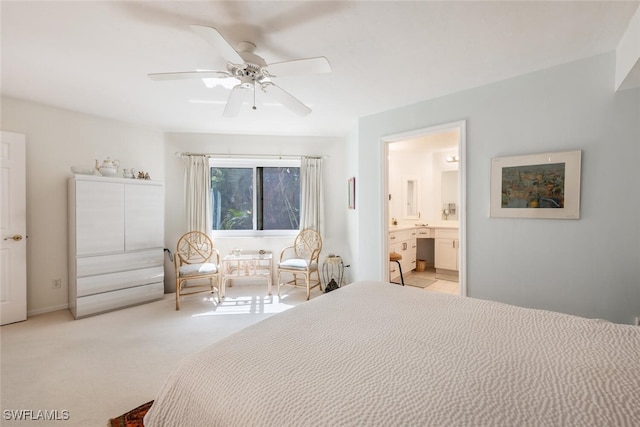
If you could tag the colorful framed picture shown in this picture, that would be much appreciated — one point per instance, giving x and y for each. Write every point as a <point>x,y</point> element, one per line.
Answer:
<point>545,185</point>
<point>352,193</point>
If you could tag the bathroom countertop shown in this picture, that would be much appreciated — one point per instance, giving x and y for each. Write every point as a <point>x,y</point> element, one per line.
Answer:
<point>435,224</point>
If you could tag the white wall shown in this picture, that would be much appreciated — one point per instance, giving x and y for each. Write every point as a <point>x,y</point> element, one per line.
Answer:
<point>588,267</point>
<point>352,235</point>
<point>335,184</point>
<point>57,139</point>
<point>426,166</point>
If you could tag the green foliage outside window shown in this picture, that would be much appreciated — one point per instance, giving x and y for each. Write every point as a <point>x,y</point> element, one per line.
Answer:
<point>276,194</point>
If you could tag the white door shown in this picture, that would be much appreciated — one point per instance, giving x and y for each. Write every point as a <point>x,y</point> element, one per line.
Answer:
<point>13,229</point>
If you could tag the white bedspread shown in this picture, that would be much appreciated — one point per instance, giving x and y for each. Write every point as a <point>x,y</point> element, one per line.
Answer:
<point>376,354</point>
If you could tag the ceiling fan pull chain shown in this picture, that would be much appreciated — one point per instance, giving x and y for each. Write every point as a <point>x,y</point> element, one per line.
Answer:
<point>254,95</point>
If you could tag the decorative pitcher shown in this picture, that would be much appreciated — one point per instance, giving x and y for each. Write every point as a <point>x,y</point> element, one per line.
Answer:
<point>108,167</point>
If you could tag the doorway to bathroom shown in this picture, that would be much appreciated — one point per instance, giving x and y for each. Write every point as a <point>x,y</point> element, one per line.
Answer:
<point>424,207</point>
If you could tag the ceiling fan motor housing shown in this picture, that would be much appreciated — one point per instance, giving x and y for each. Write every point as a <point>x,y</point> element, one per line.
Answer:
<point>248,74</point>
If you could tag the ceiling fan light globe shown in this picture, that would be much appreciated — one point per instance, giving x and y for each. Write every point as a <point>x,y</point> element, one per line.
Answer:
<point>227,83</point>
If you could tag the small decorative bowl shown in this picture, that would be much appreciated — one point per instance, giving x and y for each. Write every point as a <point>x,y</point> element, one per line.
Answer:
<point>83,170</point>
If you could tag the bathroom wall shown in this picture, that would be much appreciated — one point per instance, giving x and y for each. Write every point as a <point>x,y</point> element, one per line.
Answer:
<point>419,162</point>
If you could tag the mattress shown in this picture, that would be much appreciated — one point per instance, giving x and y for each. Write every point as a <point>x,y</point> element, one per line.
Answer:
<point>379,354</point>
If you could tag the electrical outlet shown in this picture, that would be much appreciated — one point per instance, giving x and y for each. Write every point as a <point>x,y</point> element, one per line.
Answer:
<point>637,321</point>
<point>57,283</point>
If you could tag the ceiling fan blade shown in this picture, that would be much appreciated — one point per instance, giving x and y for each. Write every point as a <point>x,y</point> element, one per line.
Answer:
<point>284,98</point>
<point>315,65</point>
<point>236,98</point>
<point>190,75</point>
<point>214,37</point>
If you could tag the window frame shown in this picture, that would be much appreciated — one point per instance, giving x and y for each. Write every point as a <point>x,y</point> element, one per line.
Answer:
<point>253,163</point>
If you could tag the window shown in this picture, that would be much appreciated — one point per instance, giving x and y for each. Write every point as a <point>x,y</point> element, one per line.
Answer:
<point>250,197</point>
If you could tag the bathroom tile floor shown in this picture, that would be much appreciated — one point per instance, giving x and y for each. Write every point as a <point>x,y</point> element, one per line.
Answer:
<point>443,286</point>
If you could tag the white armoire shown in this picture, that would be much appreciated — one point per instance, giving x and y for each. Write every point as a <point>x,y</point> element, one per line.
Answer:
<point>116,243</point>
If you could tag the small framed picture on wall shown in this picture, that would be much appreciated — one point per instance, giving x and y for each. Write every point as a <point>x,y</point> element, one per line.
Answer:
<point>352,193</point>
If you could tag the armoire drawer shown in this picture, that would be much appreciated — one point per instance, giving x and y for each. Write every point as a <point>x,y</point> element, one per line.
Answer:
<point>107,301</point>
<point>91,285</point>
<point>103,264</point>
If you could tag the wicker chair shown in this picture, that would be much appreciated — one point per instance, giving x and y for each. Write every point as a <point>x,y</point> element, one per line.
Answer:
<point>196,259</point>
<point>301,259</point>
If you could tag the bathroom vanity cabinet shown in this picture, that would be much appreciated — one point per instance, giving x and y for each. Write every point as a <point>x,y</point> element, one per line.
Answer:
<point>402,241</point>
<point>405,241</point>
<point>446,253</point>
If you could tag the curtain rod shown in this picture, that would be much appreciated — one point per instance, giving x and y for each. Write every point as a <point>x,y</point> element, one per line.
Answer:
<point>250,156</point>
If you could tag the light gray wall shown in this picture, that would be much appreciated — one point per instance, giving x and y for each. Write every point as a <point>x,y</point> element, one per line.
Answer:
<point>56,139</point>
<point>588,267</point>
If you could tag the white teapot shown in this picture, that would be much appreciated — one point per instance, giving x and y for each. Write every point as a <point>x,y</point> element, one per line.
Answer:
<point>108,167</point>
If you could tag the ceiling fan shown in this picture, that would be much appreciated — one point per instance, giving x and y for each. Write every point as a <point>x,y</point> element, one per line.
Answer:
<point>247,71</point>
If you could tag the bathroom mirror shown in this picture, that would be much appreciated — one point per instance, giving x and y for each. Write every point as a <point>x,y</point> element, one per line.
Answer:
<point>450,192</point>
<point>412,209</point>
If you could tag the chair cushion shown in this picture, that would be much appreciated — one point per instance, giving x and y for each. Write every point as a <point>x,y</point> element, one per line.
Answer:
<point>297,263</point>
<point>197,269</point>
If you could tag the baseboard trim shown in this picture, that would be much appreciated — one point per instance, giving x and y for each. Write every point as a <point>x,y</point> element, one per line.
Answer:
<point>47,310</point>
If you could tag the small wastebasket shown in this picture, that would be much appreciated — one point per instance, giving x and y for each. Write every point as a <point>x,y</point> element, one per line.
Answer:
<point>421,265</point>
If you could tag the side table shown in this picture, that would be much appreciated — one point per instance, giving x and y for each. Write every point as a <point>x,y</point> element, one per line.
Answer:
<point>333,268</point>
<point>246,265</point>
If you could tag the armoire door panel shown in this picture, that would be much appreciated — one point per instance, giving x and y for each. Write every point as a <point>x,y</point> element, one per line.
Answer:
<point>99,217</point>
<point>144,215</point>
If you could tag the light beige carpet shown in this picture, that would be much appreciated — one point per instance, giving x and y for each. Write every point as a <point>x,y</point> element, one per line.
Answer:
<point>96,368</point>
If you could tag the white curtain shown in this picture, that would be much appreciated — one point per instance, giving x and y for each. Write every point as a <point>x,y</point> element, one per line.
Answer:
<point>311,206</point>
<point>197,182</point>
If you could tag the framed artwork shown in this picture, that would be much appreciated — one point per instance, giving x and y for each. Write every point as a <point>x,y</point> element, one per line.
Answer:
<point>352,193</point>
<point>545,185</point>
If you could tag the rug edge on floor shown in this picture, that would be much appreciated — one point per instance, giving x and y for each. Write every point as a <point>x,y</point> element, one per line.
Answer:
<point>133,418</point>
<point>426,283</point>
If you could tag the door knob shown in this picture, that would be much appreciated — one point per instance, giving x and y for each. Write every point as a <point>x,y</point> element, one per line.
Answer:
<point>15,238</point>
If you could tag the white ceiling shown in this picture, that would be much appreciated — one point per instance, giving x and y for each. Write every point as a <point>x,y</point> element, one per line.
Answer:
<point>94,56</point>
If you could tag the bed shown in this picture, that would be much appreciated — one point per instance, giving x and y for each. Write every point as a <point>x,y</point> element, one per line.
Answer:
<point>379,354</point>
